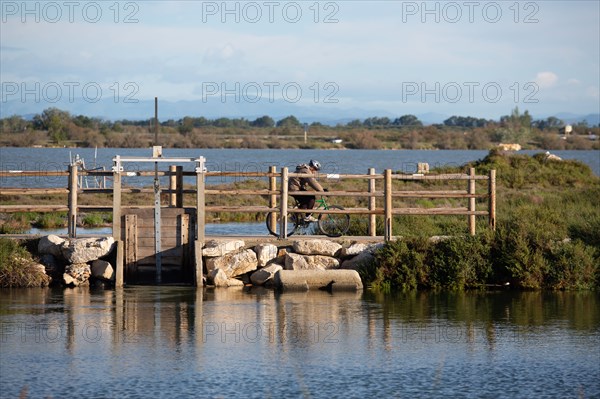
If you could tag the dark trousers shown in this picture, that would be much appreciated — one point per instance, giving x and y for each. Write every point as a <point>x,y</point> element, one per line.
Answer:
<point>305,201</point>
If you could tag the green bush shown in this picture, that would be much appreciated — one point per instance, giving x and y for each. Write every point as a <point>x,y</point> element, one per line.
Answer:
<point>17,268</point>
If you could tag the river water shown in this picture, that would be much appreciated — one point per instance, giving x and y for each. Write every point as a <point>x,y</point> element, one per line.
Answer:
<point>178,342</point>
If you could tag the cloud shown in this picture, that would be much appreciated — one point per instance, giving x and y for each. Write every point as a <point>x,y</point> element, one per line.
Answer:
<point>546,79</point>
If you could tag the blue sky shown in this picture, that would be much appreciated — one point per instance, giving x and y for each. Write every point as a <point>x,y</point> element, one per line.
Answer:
<point>477,58</point>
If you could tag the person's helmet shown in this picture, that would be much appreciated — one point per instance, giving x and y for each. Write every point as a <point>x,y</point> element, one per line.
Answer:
<point>314,164</point>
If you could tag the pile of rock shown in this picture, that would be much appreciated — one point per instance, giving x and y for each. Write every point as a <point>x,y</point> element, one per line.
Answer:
<point>231,263</point>
<point>74,261</point>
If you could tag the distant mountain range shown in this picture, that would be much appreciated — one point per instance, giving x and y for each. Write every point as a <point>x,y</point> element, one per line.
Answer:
<point>329,114</point>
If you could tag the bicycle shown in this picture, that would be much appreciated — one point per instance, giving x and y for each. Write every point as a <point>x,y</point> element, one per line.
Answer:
<point>330,224</point>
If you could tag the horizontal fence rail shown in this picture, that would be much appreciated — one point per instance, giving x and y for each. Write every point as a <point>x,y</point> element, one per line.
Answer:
<point>378,187</point>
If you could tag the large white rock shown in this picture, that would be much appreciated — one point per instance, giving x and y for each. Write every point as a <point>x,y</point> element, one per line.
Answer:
<point>102,269</point>
<point>234,264</point>
<point>316,247</point>
<point>83,250</point>
<point>265,253</point>
<point>220,279</point>
<point>51,245</point>
<point>308,262</point>
<point>77,274</point>
<point>215,248</point>
<point>261,276</point>
<point>354,249</point>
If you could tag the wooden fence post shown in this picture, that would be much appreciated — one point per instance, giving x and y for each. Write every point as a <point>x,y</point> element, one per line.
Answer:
<point>388,204</point>
<point>172,186</point>
<point>272,197</point>
<point>116,225</point>
<point>179,186</point>
<point>72,223</point>
<point>200,221</point>
<point>283,203</point>
<point>492,199</point>
<point>471,190</point>
<point>372,204</point>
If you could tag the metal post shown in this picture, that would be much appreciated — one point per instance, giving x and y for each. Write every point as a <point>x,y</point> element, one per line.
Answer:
<point>372,204</point>
<point>72,224</point>
<point>492,200</point>
<point>471,189</point>
<point>388,207</point>
<point>116,225</point>
<point>284,204</point>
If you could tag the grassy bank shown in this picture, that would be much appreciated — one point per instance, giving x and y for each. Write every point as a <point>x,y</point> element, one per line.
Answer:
<point>547,235</point>
<point>17,266</point>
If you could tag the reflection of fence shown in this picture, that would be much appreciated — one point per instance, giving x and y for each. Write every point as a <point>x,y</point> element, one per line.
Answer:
<point>381,196</point>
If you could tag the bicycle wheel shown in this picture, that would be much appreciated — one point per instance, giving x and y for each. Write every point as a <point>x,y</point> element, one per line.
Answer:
<point>292,223</point>
<point>334,224</point>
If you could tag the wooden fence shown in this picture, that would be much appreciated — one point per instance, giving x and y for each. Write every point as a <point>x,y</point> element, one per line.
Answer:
<point>277,194</point>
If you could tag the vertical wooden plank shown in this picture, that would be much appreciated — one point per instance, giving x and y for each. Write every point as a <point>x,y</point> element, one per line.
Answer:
<point>184,240</point>
<point>284,203</point>
<point>172,186</point>
<point>179,186</point>
<point>492,199</point>
<point>372,204</point>
<point>116,228</point>
<point>198,274</point>
<point>72,223</point>
<point>471,190</point>
<point>200,202</point>
<point>131,246</point>
<point>119,266</point>
<point>273,197</point>
<point>388,206</point>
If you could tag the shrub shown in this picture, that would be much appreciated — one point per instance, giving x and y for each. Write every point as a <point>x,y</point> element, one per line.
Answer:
<point>17,268</point>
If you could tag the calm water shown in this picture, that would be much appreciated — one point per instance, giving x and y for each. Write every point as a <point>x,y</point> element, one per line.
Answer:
<point>236,160</point>
<point>181,342</point>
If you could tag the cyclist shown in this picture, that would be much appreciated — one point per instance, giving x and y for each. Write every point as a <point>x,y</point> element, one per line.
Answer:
<point>302,183</point>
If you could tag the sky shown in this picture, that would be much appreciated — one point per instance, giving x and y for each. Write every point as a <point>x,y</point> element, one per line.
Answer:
<point>469,58</point>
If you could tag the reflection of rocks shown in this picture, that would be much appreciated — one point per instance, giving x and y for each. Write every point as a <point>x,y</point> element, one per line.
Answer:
<point>77,274</point>
<point>86,249</point>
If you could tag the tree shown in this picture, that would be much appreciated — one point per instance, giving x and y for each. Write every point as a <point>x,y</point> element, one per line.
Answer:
<point>407,120</point>
<point>55,121</point>
<point>263,121</point>
<point>549,123</point>
<point>289,121</point>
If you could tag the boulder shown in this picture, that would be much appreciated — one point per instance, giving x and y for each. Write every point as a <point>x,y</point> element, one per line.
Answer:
<point>83,250</point>
<point>330,280</point>
<point>359,260</point>
<point>220,279</point>
<point>316,247</point>
<point>354,249</point>
<point>216,248</point>
<point>265,253</point>
<point>308,262</point>
<point>262,276</point>
<point>77,274</point>
<point>102,269</point>
<point>51,245</point>
<point>234,264</point>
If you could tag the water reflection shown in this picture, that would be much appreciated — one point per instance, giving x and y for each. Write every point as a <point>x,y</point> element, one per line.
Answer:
<point>177,338</point>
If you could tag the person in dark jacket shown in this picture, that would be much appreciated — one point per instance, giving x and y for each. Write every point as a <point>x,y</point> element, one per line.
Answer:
<point>296,184</point>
